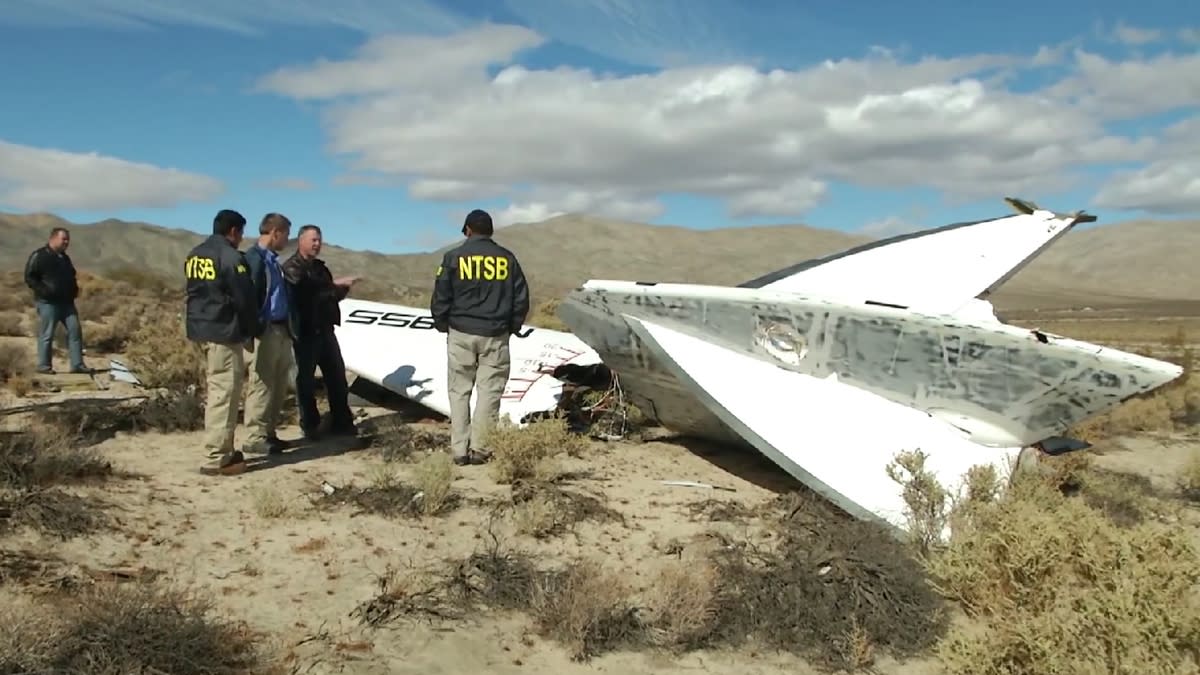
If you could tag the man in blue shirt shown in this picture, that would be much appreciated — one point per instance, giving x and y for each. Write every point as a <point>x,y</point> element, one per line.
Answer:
<point>271,356</point>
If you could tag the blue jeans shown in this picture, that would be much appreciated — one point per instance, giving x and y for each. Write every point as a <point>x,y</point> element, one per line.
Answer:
<point>49,316</point>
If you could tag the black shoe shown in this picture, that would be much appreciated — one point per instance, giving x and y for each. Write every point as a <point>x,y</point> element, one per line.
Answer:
<point>230,463</point>
<point>45,371</point>
<point>83,370</point>
<point>472,458</point>
<point>271,446</point>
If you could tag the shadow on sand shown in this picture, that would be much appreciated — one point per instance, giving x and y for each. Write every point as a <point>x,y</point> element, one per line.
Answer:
<point>742,461</point>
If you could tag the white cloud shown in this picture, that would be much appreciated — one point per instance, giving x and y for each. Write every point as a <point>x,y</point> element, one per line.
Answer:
<point>1132,35</point>
<point>1168,185</point>
<point>765,142</point>
<point>45,179</point>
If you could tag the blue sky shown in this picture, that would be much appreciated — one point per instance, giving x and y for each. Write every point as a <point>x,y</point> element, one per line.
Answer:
<point>385,122</point>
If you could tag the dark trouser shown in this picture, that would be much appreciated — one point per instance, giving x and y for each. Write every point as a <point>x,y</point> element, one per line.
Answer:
<point>49,316</point>
<point>322,350</point>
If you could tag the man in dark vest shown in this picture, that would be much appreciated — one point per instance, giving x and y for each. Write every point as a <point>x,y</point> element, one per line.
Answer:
<point>222,315</point>
<point>480,299</point>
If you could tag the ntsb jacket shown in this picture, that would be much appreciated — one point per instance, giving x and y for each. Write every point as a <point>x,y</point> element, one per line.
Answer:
<point>480,290</point>
<point>221,305</point>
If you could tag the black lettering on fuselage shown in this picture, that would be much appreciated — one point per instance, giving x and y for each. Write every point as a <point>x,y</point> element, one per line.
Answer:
<point>369,317</point>
<point>482,268</point>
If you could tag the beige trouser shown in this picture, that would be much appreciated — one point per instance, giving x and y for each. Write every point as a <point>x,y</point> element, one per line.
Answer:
<point>474,360</point>
<point>267,382</point>
<point>224,378</point>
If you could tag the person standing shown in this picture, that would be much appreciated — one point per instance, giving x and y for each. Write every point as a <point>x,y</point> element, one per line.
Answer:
<point>480,299</point>
<point>270,364</point>
<point>50,274</point>
<point>316,295</point>
<point>222,315</point>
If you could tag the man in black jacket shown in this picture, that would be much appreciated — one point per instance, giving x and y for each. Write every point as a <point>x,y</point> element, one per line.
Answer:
<point>221,314</point>
<point>480,299</point>
<point>317,294</point>
<point>50,274</point>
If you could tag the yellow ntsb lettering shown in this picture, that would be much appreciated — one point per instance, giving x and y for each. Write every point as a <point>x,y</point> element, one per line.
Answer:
<point>203,269</point>
<point>483,267</point>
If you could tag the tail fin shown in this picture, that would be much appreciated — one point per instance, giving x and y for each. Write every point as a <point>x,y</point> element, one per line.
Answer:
<point>936,271</point>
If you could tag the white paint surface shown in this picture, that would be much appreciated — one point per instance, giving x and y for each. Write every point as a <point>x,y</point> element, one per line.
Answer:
<point>833,437</point>
<point>936,272</point>
<point>412,361</point>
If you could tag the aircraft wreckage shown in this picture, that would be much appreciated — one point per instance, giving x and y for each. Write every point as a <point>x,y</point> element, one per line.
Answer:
<point>830,367</point>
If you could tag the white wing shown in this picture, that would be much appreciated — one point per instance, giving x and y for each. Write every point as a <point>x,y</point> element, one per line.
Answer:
<point>397,348</point>
<point>936,271</point>
<point>834,438</point>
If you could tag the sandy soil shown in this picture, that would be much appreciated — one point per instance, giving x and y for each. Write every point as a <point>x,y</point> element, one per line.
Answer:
<point>296,571</point>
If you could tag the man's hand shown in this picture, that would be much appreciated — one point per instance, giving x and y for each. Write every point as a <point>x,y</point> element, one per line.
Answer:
<point>345,281</point>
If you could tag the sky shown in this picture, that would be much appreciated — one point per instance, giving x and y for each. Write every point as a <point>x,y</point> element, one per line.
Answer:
<point>386,121</point>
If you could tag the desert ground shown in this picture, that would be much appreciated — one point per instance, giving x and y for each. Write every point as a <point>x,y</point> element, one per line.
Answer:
<point>566,554</point>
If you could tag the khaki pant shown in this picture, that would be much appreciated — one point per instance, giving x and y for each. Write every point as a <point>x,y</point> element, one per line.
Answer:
<point>474,360</point>
<point>223,381</point>
<point>267,382</point>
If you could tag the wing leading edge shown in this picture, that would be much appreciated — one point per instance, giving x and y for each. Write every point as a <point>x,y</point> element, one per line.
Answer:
<point>813,427</point>
<point>936,271</point>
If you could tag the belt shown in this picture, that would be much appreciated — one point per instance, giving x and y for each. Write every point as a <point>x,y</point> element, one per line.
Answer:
<point>278,322</point>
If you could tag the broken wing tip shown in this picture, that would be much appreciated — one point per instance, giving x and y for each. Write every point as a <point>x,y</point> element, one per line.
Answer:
<point>1028,207</point>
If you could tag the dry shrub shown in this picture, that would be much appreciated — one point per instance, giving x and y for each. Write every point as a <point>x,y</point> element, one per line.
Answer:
<point>683,605</point>
<point>14,294</point>
<point>926,501</point>
<point>1189,479</point>
<point>434,478</point>
<point>41,456</point>
<point>720,510</point>
<point>528,452</point>
<point>14,363</point>
<point>161,356</point>
<point>114,629</point>
<point>495,578</point>
<point>33,463</point>
<point>545,315</point>
<point>400,442</point>
<point>389,496</point>
<point>12,324</point>
<point>51,511</point>
<point>543,509</point>
<point>95,421</point>
<point>269,503</point>
<point>117,332</point>
<point>143,281</point>
<point>24,566</point>
<point>832,589</point>
<point>587,609</point>
<point>1056,586</point>
<point>408,594</point>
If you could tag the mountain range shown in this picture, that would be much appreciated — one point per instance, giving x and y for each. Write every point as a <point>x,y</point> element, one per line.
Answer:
<point>1105,265</point>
